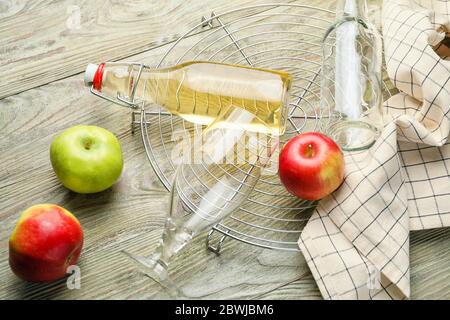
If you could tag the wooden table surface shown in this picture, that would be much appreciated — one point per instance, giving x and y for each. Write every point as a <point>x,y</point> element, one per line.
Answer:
<point>43,53</point>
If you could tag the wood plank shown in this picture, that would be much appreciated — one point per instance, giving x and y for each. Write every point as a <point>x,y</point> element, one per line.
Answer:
<point>50,44</point>
<point>430,264</point>
<point>131,215</point>
<point>304,288</point>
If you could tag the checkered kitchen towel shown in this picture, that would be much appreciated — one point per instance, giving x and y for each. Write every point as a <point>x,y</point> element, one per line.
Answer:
<point>357,242</point>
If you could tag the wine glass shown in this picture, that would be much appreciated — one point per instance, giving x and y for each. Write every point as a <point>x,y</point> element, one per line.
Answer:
<point>216,175</point>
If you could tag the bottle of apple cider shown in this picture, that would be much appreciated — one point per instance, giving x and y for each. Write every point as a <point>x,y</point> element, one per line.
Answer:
<point>197,91</point>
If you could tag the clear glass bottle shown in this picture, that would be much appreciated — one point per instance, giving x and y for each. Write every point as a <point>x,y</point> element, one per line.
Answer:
<point>351,77</point>
<point>198,91</point>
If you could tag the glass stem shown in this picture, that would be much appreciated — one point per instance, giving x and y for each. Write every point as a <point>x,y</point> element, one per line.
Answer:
<point>155,267</point>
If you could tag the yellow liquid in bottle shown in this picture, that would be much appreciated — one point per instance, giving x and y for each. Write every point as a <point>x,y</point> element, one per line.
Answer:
<point>199,91</point>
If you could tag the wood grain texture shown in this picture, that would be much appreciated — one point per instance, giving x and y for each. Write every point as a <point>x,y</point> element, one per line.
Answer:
<point>129,216</point>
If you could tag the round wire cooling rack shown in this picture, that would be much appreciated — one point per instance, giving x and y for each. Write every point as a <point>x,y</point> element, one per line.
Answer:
<point>273,36</point>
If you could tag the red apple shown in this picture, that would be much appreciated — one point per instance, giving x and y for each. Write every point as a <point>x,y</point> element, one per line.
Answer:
<point>46,240</point>
<point>311,166</point>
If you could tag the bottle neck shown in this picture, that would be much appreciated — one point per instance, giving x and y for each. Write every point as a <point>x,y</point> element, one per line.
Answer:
<point>351,8</point>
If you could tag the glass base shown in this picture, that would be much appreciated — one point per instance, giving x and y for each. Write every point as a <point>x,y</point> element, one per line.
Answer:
<point>353,135</point>
<point>157,270</point>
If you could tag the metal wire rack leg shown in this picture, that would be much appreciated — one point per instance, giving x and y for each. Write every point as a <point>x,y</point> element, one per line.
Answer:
<point>216,249</point>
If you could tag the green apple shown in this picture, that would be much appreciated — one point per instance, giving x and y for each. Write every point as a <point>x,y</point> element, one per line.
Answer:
<point>86,159</point>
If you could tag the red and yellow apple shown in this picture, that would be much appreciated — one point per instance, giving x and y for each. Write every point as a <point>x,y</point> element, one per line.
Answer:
<point>47,239</point>
<point>311,166</point>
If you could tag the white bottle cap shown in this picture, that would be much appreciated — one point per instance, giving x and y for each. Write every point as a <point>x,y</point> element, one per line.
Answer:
<point>89,74</point>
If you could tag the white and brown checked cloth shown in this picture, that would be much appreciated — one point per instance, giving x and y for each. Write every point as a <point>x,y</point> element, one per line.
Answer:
<point>357,242</point>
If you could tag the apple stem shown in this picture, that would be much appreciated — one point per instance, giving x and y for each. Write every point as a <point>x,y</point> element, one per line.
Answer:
<point>309,151</point>
<point>87,144</point>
